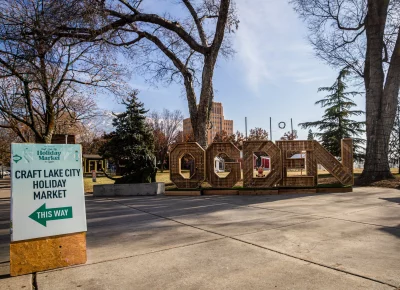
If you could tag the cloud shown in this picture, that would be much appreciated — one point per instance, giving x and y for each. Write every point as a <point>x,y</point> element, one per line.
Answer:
<point>271,45</point>
<point>311,79</point>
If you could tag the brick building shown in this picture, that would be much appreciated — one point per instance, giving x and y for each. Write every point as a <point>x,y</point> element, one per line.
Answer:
<point>218,123</point>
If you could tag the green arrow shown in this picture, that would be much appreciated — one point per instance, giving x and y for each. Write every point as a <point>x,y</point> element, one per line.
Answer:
<point>42,215</point>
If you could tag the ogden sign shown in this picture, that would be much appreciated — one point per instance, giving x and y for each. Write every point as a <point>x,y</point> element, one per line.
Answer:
<point>47,196</point>
<point>283,156</point>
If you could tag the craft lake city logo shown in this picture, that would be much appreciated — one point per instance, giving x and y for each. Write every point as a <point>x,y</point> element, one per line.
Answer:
<point>17,158</point>
<point>49,154</point>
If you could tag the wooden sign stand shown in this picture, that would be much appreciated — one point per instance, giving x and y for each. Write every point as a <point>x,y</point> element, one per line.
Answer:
<point>30,256</point>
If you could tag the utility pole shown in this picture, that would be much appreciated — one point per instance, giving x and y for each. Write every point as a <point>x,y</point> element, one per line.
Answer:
<point>291,125</point>
<point>245,125</point>
<point>270,128</point>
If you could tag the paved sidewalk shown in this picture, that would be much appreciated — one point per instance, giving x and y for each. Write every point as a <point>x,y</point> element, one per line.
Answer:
<point>324,241</point>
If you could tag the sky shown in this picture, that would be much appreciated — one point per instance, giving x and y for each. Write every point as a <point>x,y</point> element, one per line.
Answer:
<point>273,74</point>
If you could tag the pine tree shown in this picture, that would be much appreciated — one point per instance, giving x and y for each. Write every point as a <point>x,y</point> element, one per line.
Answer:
<point>131,145</point>
<point>310,135</point>
<point>336,123</point>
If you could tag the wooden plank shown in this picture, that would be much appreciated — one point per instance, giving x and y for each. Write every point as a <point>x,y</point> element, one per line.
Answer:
<point>47,253</point>
<point>334,189</point>
<point>347,156</point>
<point>342,172</point>
<point>182,192</point>
<point>297,190</point>
<point>295,181</point>
<point>259,192</point>
<point>220,192</point>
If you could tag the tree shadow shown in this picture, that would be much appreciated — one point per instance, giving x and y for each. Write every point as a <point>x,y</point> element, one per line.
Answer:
<point>137,225</point>
<point>395,231</point>
<point>392,199</point>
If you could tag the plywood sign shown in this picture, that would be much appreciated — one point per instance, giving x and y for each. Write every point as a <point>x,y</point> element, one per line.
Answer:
<point>47,196</point>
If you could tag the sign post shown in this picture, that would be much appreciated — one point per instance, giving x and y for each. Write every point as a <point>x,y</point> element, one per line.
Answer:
<point>48,217</point>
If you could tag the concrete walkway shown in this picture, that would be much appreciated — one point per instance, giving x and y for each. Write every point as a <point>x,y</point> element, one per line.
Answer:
<point>324,241</point>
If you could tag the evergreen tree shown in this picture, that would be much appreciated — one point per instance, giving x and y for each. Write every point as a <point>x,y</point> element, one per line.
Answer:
<point>310,135</point>
<point>336,123</point>
<point>131,145</point>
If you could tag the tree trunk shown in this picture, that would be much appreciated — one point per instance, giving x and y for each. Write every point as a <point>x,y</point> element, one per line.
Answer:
<point>200,130</point>
<point>376,165</point>
<point>381,98</point>
<point>202,116</point>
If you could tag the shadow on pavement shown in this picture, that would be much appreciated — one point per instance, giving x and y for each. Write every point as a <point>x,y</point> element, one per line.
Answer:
<point>394,199</point>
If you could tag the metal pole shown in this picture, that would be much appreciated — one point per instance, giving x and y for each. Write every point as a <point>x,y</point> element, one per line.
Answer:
<point>291,125</point>
<point>245,124</point>
<point>66,139</point>
<point>270,128</point>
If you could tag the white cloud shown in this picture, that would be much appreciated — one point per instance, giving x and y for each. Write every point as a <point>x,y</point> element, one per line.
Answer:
<point>271,45</point>
<point>311,79</point>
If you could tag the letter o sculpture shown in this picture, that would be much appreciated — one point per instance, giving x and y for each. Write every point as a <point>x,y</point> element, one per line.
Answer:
<point>234,175</point>
<point>273,151</point>
<point>198,153</point>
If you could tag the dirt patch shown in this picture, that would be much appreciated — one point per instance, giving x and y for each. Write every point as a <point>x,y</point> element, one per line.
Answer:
<point>388,183</point>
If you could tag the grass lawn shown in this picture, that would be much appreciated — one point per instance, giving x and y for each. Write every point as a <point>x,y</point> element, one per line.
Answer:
<point>163,176</point>
<point>88,183</point>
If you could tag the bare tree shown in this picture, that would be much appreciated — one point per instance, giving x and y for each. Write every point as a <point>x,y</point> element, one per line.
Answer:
<point>183,49</point>
<point>6,138</point>
<point>224,137</point>
<point>290,135</point>
<point>166,127</point>
<point>44,77</point>
<point>362,35</point>
<point>258,134</point>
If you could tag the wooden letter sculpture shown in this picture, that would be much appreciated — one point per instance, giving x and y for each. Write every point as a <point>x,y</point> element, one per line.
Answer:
<point>198,154</point>
<point>233,153</point>
<point>298,155</point>
<point>308,155</point>
<point>301,155</point>
<point>275,174</point>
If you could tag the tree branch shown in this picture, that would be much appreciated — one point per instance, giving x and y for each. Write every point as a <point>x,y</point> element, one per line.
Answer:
<point>197,21</point>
